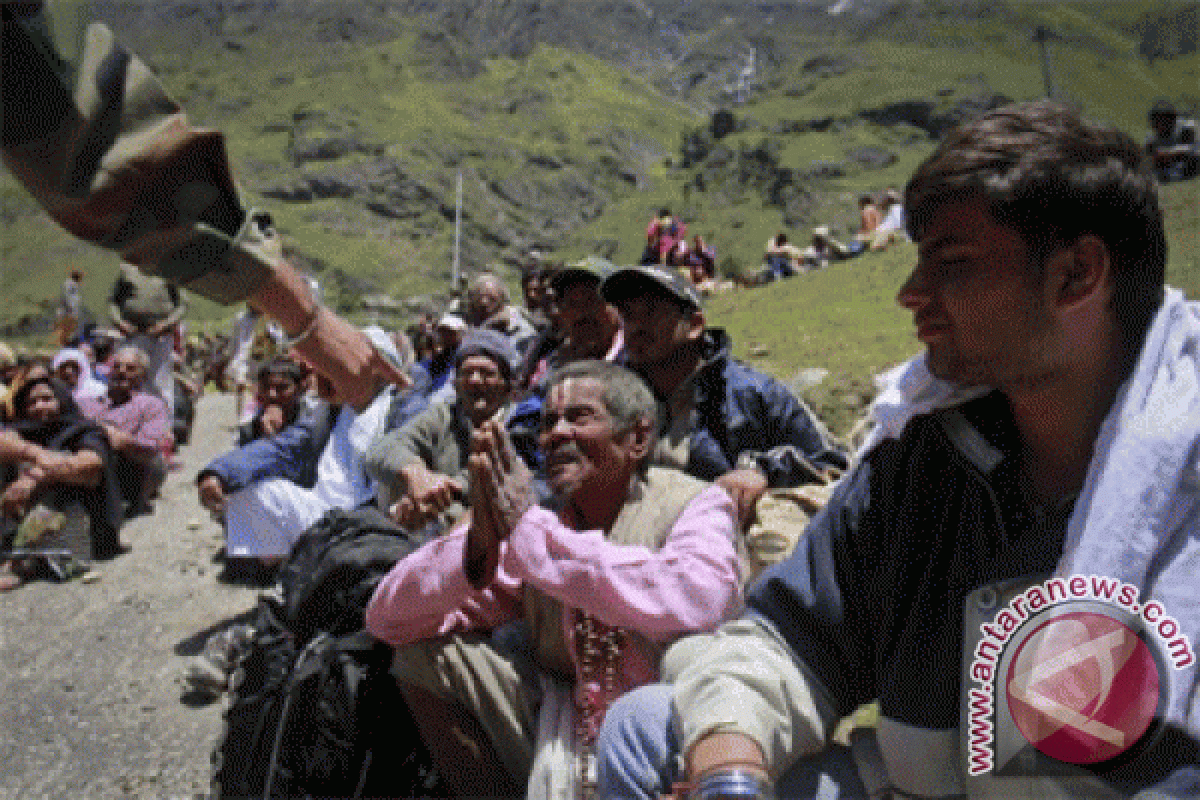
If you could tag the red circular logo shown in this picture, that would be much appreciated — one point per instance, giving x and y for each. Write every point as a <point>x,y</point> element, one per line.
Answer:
<point>1083,688</point>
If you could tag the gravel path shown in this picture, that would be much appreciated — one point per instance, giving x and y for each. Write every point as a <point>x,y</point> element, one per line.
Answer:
<point>93,702</point>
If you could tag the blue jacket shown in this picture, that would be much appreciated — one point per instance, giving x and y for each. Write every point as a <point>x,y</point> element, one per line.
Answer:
<point>748,419</point>
<point>292,454</point>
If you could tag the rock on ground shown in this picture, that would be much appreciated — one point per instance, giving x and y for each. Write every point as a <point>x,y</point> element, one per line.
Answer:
<point>90,673</point>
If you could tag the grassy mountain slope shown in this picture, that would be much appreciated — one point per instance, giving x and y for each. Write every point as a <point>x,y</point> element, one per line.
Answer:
<point>349,121</point>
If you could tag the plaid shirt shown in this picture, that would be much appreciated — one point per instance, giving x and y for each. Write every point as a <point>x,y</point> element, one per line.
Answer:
<point>143,416</point>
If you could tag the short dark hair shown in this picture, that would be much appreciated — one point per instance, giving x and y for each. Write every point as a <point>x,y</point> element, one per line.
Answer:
<point>1054,176</point>
<point>281,365</point>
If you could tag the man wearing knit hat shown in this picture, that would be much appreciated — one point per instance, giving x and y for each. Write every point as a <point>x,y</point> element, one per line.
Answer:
<point>421,467</point>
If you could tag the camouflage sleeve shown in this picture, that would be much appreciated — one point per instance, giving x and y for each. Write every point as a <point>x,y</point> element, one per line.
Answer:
<point>113,159</point>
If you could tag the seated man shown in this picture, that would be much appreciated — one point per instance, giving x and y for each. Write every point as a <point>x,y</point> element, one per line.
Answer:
<point>1172,144</point>
<point>590,327</point>
<point>892,228</point>
<point>719,419</point>
<point>488,306</point>
<point>1029,490</point>
<point>781,257</point>
<point>421,467</point>
<point>138,427</point>
<point>269,491</point>
<point>279,397</point>
<point>869,219</point>
<point>631,558</point>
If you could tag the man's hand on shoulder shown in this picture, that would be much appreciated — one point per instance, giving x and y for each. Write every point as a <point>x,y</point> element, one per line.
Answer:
<point>745,486</point>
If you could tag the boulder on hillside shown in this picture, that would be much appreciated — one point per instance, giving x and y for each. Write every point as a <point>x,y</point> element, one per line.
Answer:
<point>871,157</point>
<point>934,118</point>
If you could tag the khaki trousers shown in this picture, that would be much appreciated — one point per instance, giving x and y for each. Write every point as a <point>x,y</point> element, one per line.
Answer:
<point>493,676</point>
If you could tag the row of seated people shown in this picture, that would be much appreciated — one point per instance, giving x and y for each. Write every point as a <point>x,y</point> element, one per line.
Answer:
<point>881,223</point>
<point>77,455</point>
<point>634,416</point>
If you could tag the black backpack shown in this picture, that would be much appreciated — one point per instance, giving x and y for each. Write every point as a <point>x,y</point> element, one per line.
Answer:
<point>314,710</point>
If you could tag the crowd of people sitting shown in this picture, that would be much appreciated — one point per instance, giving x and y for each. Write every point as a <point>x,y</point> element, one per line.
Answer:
<point>606,396</point>
<point>880,224</point>
<point>574,619</point>
<point>78,452</point>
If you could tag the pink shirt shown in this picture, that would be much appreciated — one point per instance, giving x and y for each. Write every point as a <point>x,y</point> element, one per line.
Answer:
<point>143,416</point>
<point>691,584</point>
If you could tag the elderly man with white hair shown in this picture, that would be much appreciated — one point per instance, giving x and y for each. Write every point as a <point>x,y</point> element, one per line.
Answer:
<point>138,426</point>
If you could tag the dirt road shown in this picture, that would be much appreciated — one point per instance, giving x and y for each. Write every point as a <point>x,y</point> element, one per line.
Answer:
<point>90,673</point>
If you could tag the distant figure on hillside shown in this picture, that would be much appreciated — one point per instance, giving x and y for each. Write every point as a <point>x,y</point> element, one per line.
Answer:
<point>891,229</point>
<point>661,236</point>
<point>1172,144</point>
<point>822,250</point>
<point>68,324</point>
<point>869,218</point>
<point>241,343</point>
<point>782,258</point>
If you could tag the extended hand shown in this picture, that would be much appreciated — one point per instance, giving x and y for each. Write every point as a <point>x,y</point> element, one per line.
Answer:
<point>345,356</point>
<point>428,494</point>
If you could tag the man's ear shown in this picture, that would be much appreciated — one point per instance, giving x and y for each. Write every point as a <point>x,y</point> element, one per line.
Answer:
<point>639,439</point>
<point>1079,271</point>
<point>695,326</point>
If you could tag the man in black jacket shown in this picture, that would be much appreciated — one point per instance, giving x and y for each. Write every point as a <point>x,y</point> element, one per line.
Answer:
<point>720,420</point>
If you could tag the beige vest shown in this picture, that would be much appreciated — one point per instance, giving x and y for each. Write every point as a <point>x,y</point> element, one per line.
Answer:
<point>650,511</point>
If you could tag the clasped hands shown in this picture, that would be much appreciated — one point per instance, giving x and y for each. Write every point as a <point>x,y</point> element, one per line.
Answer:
<point>501,491</point>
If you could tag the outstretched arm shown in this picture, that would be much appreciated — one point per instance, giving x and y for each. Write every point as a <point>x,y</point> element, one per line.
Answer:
<point>114,160</point>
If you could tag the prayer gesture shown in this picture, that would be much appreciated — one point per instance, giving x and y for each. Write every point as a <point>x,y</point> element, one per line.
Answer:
<point>501,491</point>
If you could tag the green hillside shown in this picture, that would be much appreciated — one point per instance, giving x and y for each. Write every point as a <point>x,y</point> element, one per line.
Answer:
<point>351,129</point>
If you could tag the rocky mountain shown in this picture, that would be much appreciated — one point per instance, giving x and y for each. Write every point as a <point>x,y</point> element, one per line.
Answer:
<point>568,120</point>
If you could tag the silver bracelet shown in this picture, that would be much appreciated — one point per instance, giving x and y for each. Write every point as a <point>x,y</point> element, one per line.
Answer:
<point>732,783</point>
<point>291,341</point>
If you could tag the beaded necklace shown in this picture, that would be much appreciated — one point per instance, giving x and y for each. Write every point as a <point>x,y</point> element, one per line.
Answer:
<point>599,647</point>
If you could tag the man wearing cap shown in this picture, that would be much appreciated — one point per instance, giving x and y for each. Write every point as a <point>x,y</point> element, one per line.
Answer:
<point>449,333</point>
<point>274,488</point>
<point>421,467</point>
<point>719,419</point>
<point>1172,144</point>
<point>590,327</point>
